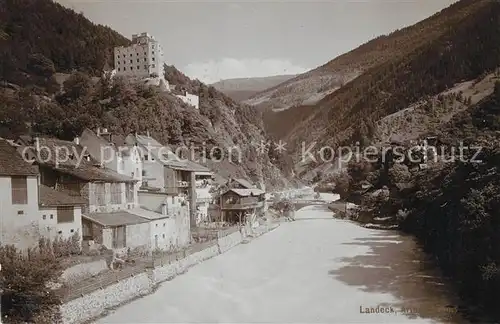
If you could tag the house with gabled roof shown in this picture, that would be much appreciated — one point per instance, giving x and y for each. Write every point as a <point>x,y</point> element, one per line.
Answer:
<point>29,210</point>
<point>60,215</point>
<point>166,176</point>
<point>237,203</point>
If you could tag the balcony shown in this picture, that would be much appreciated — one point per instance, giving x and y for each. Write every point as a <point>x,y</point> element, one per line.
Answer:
<point>243,206</point>
<point>183,184</point>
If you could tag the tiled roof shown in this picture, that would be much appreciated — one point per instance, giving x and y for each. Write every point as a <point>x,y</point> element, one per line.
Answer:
<point>246,192</point>
<point>244,183</point>
<point>92,173</point>
<point>69,154</point>
<point>144,213</point>
<point>51,197</point>
<point>11,162</point>
<point>117,218</point>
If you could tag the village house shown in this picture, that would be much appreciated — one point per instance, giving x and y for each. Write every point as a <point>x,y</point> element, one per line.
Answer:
<point>112,152</point>
<point>110,216</point>
<point>240,200</point>
<point>165,173</point>
<point>29,210</point>
<point>60,215</point>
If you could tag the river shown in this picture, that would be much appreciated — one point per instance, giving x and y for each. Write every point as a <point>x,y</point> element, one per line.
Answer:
<point>315,270</point>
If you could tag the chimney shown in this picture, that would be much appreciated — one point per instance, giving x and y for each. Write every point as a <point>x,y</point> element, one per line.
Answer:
<point>77,140</point>
<point>164,209</point>
<point>98,131</point>
<point>37,143</point>
<point>147,133</point>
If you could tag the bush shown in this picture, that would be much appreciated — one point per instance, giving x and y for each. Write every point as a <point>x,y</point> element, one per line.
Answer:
<point>25,278</point>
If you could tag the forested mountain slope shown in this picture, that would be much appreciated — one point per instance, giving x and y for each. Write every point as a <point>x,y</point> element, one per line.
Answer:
<point>465,49</point>
<point>308,88</point>
<point>40,38</point>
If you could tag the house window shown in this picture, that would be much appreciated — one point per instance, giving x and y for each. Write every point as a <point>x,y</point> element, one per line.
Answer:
<point>153,65</point>
<point>145,60</point>
<point>118,69</point>
<point>19,190</point>
<point>138,67</point>
<point>65,215</point>
<point>137,60</point>
<point>143,173</point>
<point>131,61</point>
<point>116,193</point>
<point>153,58</point>
<point>119,235</point>
<point>100,194</point>
<point>129,192</point>
<point>146,157</point>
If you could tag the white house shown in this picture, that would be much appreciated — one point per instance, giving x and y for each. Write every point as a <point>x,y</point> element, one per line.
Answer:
<point>142,59</point>
<point>18,199</point>
<point>190,99</point>
<point>112,152</point>
<point>29,210</point>
<point>165,172</point>
<point>60,215</point>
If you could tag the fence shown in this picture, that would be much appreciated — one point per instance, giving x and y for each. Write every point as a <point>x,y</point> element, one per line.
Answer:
<point>141,265</point>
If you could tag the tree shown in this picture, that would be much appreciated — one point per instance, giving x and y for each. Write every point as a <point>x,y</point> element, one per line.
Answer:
<point>342,185</point>
<point>41,65</point>
<point>25,280</point>
<point>497,91</point>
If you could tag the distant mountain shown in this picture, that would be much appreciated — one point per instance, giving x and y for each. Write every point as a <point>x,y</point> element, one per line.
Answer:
<point>243,88</point>
<point>460,43</point>
<point>309,88</point>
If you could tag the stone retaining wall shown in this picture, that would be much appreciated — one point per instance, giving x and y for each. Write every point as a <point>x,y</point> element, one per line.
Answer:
<point>93,305</point>
<point>228,242</point>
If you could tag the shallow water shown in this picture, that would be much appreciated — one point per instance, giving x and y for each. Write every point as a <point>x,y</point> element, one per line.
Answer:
<point>314,270</point>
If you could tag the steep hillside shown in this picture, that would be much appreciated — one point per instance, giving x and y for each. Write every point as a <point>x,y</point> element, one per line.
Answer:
<point>38,37</point>
<point>32,100</point>
<point>464,47</point>
<point>451,206</point>
<point>243,88</point>
<point>309,88</point>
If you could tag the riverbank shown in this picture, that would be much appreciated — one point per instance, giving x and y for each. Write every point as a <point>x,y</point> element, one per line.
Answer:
<point>315,269</point>
<point>96,304</point>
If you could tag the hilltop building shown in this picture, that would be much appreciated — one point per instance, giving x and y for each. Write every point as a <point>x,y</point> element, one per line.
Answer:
<point>142,59</point>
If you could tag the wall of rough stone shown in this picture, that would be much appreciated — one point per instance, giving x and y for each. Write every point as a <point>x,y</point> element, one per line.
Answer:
<point>228,242</point>
<point>94,304</point>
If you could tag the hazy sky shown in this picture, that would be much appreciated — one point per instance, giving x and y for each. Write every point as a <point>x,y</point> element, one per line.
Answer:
<point>213,40</point>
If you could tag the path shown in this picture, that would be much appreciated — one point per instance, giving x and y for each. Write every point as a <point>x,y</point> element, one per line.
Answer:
<point>317,270</point>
